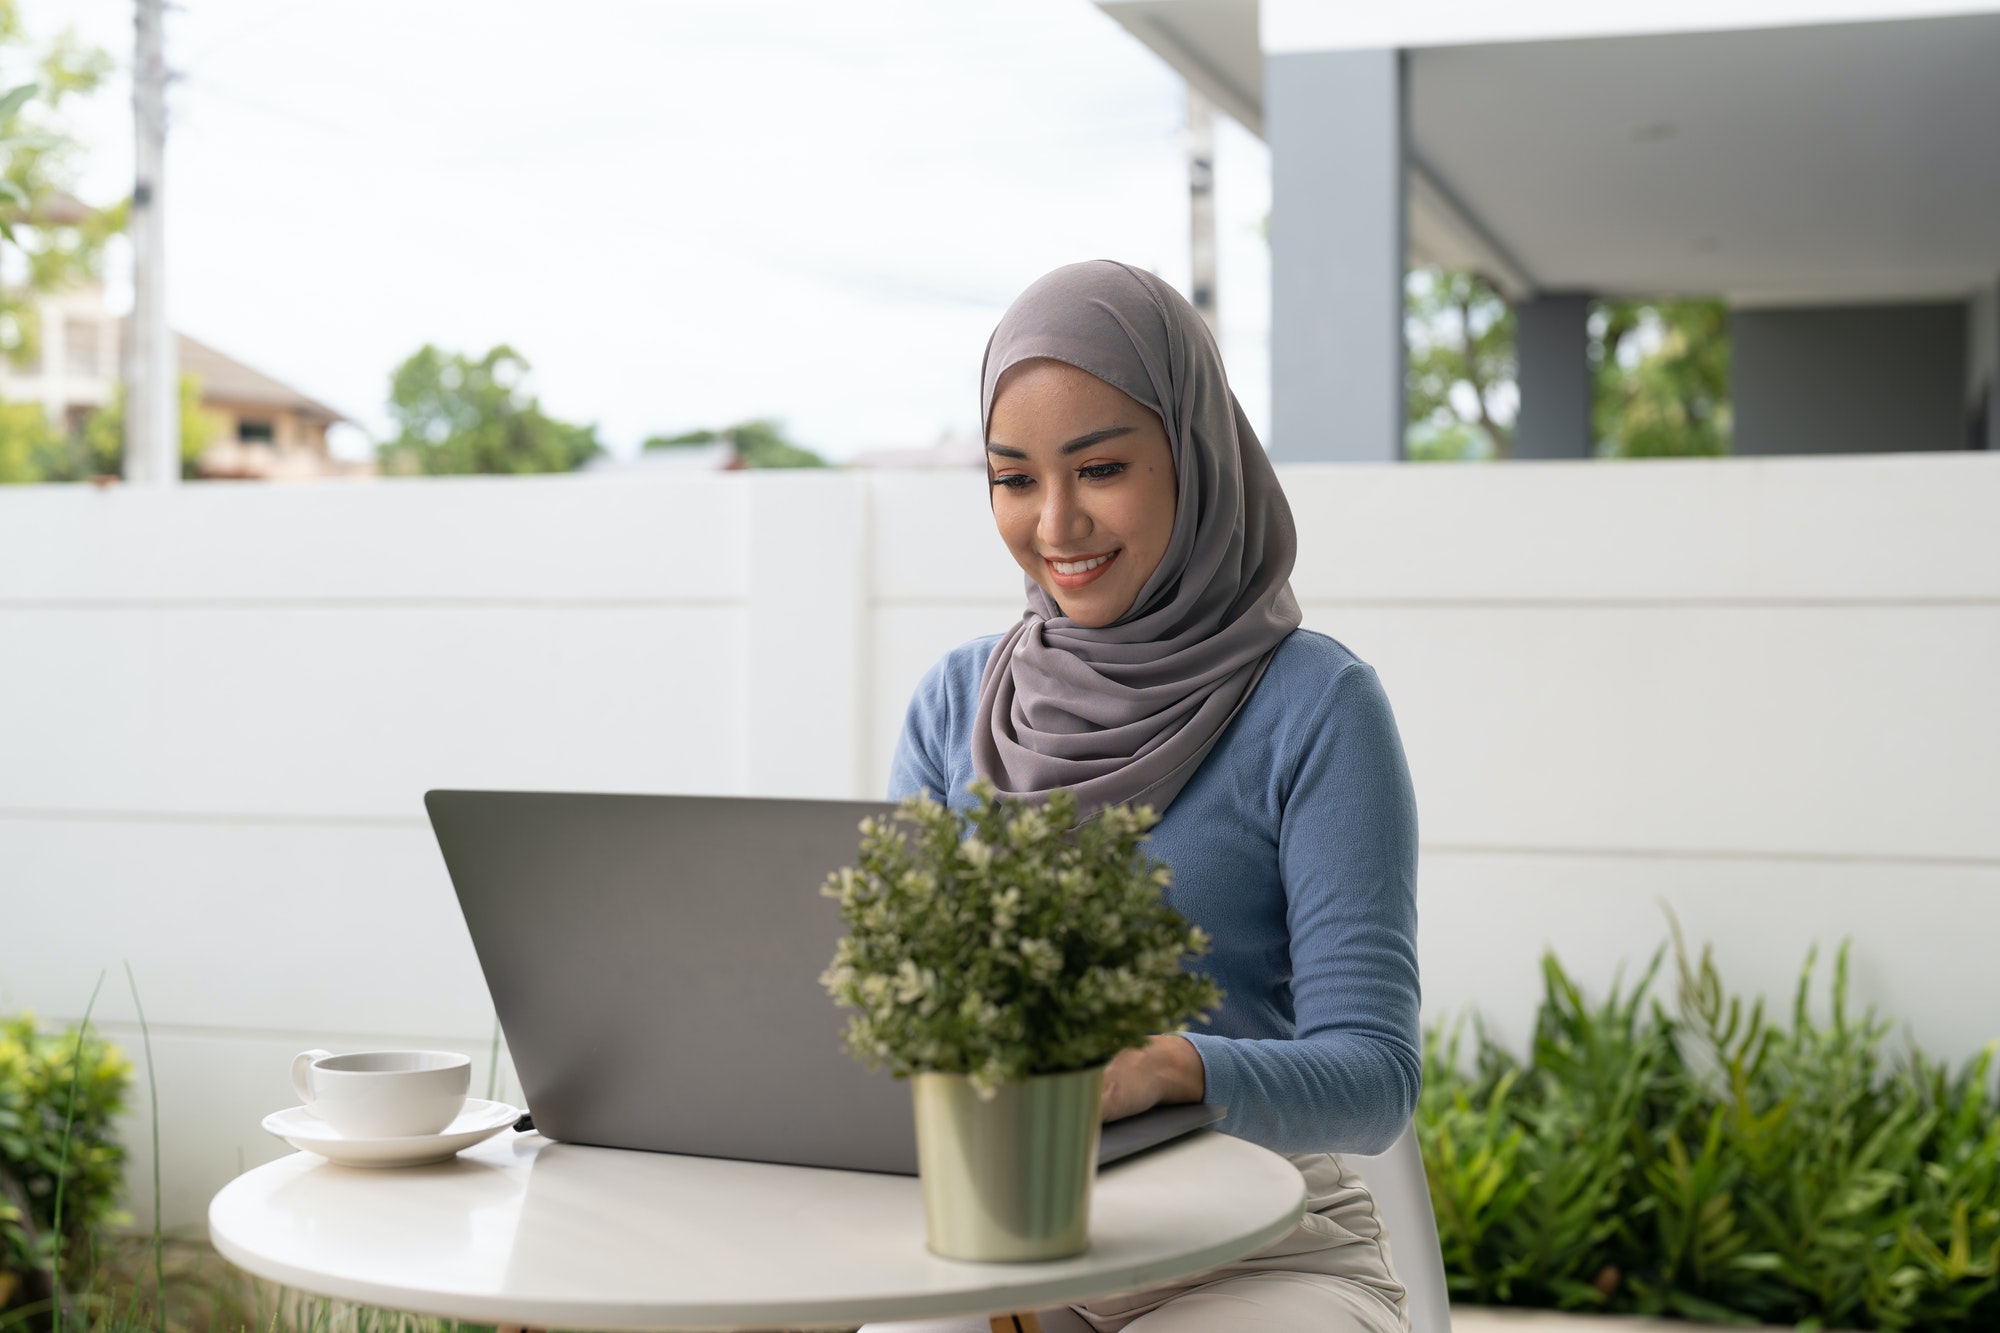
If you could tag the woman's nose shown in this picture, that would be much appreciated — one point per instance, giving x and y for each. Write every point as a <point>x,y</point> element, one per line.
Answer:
<point>1063,520</point>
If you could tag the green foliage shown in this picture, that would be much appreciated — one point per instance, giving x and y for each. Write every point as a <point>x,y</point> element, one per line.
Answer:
<point>102,448</point>
<point>1661,376</point>
<point>30,448</point>
<point>455,416</point>
<point>1660,372</point>
<point>1008,940</point>
<point>1706,1162</point>
<point>759,444</point>
<point>37,1074</point>
<point>62,242</point>
<point>1460,332</point>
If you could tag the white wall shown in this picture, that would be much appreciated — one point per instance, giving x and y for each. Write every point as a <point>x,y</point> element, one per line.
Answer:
<point>1761,691</point>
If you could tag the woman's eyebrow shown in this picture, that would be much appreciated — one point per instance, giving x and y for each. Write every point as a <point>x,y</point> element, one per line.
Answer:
<point>1083,442</point>
<point>1076,445</point>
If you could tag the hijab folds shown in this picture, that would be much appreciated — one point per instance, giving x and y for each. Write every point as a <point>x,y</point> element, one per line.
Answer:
<point>1126,713</point>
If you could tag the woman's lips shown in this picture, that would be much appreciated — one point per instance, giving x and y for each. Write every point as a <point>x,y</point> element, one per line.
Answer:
<point>1073,581</point>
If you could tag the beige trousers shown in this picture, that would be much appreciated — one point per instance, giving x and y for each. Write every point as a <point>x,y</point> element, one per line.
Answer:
<point>1331,1274</point>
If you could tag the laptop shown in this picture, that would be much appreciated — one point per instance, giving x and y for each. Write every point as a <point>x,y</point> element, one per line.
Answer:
<point>655,962</point>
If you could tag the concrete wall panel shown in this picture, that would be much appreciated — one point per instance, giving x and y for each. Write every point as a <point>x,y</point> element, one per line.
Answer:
<point>241,926</point>
<point>1814,731</point>
<point>1921,933</point>
<point>1844,530</point>
<point>568,538</point>
<point>1757,689</point>
<point>297,709</point>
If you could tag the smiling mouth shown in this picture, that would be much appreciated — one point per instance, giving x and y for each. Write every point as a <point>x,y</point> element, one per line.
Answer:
<point>1073,574</point>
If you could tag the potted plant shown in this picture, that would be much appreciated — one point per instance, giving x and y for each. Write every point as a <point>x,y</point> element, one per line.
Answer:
<point>998,957</point>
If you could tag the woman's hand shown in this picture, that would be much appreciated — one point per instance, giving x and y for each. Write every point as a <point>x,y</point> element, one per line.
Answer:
<point>1165,1071</point>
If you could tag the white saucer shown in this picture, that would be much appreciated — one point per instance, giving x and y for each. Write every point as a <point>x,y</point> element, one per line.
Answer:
<point>479,1120</point>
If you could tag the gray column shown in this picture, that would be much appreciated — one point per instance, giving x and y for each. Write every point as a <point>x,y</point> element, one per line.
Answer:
<point>1993,383</point>
<point>1552,347</point>
<point>1335,122</point>
<point>1984,341</point>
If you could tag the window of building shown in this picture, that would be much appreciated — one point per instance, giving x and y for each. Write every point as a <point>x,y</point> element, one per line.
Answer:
<point>82,354</point>
<point>252,430</point>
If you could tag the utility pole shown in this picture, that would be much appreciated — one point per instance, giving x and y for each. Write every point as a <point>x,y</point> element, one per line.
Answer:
<point>1200,141</point>
<point>152,374</point>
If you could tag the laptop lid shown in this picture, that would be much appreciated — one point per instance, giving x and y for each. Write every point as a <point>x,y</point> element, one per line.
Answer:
<point>655,961</point>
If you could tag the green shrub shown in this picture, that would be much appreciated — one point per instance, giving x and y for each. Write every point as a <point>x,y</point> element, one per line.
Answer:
<point>1707,1162</point>
<point>37,1070</point>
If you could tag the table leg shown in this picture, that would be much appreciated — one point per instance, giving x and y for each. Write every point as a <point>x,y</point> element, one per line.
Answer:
<point>1025,1322</point>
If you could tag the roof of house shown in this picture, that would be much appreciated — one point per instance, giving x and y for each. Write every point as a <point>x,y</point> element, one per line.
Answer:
<point>227,380</point>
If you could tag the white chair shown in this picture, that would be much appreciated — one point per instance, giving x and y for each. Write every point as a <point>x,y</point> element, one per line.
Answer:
<point>1403,1202</point>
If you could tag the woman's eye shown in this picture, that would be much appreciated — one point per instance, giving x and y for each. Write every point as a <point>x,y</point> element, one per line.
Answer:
<point>1099,471</point>
<point>1013,481</point>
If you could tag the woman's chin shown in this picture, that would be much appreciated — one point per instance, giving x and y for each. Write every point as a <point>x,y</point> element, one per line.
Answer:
<point>1090,612</point>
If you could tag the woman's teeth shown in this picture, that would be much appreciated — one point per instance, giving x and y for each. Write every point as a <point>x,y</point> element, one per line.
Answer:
<point>1078,566</point>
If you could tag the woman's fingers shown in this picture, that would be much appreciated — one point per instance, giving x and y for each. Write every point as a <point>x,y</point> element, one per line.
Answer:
<point>1129,1087</point>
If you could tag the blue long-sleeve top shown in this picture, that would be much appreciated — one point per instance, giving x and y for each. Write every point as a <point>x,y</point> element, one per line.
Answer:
<point>1295,847</point>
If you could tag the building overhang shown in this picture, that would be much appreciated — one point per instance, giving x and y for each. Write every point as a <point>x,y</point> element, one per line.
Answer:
<point>1213,44</point>
<point>1773,151</point>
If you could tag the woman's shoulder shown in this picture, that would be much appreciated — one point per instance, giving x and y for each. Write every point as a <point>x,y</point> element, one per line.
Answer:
<point>949,691</point>
<point>1310,665</point>
<point>959,671</point>
<point>1314,682</point>
<point>1320,708</point>
<point>937,724</point>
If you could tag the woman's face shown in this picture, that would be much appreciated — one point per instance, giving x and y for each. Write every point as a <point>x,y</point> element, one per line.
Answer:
<point>1083,487</point>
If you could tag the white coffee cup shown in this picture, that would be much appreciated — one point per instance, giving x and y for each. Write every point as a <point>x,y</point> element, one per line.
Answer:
<point>383,1094</point>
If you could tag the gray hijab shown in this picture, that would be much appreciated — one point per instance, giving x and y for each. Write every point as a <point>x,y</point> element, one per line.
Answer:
<point>1126,713</point>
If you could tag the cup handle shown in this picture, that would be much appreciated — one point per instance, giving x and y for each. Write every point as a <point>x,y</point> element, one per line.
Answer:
<point>302,1064</point>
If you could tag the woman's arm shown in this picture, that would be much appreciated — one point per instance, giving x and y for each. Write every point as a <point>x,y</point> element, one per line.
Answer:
<point>1347,853</point>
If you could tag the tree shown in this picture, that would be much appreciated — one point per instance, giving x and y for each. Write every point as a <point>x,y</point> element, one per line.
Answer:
<point>759,444</point>
<point>1661,376</point>
<point>61,240</point>
<point>1660,372</point>
<point>100,450</point>
<point>455,415</point>
<point>27,443</point>
<point>1461,394</point>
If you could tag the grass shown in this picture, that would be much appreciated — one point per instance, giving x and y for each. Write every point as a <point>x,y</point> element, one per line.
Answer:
<point>150,1284</point>
<point>58,1301</point>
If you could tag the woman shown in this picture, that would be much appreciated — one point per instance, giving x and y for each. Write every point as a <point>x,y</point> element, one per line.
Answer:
<point>1160,662</point>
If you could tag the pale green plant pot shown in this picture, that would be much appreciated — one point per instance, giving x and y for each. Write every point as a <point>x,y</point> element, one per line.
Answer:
<point>1008,1179</point>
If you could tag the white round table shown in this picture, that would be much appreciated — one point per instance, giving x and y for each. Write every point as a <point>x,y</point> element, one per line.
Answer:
<point>520,1231</point>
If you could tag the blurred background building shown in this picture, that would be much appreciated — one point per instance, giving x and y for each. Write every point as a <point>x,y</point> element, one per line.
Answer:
<point>1827,168</point>
<point>259,429</point>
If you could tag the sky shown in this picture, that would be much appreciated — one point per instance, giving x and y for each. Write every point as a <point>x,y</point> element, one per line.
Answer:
<point>683,214</point>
